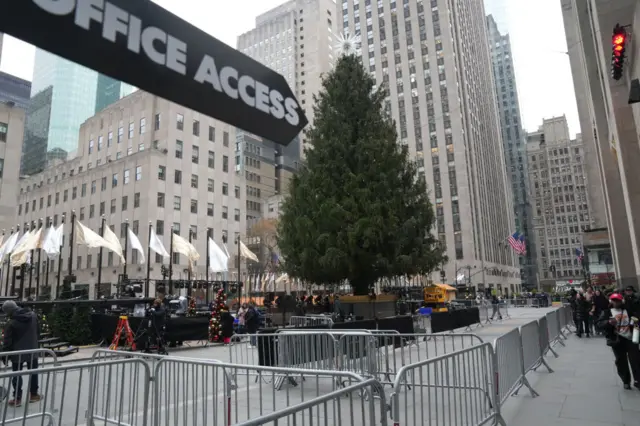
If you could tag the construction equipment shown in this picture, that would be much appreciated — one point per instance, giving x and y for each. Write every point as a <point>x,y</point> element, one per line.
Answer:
<point>437,296</point>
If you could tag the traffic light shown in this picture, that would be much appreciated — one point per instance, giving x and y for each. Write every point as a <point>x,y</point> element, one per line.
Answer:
<point>618,42</point>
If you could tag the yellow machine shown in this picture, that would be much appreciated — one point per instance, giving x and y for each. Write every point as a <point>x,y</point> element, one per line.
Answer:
<point>436,296</point>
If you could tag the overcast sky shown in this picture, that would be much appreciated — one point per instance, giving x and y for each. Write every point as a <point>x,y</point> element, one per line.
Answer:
<point>537,32</point>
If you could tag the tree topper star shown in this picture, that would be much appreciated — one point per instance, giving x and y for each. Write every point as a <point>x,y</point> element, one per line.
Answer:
<point>347,44</point>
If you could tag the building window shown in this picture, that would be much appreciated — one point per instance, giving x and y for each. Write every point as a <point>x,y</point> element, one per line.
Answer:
<point>126,176</point>
<point>178,177</point>
<point>236,215</point>
<point>113,205</point>
<point>196,128</point>
<point>143,125</point>
<point>125,202</point>
<point>194,232</point>
<point>83,190</point>
<point>195,154</point>
<point>209,209</point>
<point>92,211</point>
<point>210,185</point>
<point>212,134</point>
<point>131,129</point>
<point>179,147</point>
<point>236,191</point>
<point>110,258</point>
<point>90,146</point>
<point>160,227</point>
<point>57,198</point>
<point>74,193</point>
<point>103,184</point>
<point>162,173</point>
<point>211,159</point>
<point>157,121</point>
<point>120,133</point>
<point>4,130</point>
<point>81,213</point>
<point>225,212</point>
<point>100,142</point>
<point>160,199</point>
<point>177,201</point>
<point>194,206</point>
<point>102,208</point>
<point>225,163</point>
<point>138,173</point>
<point>136,200</point>
<point>225,189</point>
<point>114,180</point>
<point>1,167</point>
<point>225,138</point>
<point>194,181</point>
<point>123,231</point>
<point>179,121</point>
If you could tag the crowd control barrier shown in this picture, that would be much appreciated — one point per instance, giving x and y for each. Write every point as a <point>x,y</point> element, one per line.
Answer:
<point>310,321</point>
<point>359,377</point>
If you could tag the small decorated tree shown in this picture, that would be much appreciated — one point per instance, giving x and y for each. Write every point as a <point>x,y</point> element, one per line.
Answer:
<point>191,310</point>
<point>214,324</point>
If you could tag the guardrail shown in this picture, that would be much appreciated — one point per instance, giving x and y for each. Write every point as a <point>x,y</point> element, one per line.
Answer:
<point>441,379</point>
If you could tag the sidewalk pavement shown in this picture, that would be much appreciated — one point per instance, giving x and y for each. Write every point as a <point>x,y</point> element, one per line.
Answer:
<point>584,390</point>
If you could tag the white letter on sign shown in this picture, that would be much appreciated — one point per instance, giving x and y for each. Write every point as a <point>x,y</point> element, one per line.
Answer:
<point>207,72</point>
<point>56,7</point>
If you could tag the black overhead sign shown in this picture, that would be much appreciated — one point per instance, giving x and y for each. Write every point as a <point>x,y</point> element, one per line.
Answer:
<point>139,42</point>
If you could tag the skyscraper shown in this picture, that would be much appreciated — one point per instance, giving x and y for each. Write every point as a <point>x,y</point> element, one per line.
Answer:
<point>434,58</point>
<point>558,176</point>
<point>296,39</point>
<point>513,142</point>
<point>499,10</point>
<point>109,91</point>
<point>73,100</point>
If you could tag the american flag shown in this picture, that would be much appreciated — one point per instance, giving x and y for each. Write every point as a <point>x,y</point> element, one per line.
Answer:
<point>579,254</point>
<point>523,245</point>
<point>514,242</point>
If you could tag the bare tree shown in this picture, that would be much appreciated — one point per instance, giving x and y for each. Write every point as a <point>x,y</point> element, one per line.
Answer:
<point>263,238</point>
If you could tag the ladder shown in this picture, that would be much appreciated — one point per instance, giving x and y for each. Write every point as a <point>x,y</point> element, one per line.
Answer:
<point>123,326</point>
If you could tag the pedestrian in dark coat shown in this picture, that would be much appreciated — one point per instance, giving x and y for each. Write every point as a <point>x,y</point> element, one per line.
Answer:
<point>226,325</point>
<point>583,310</point>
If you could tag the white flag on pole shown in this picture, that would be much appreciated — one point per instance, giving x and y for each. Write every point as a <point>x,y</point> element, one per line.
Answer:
<point>114,243</point>
<point>218,260</point>
<point>156,245</point>
<point>52,241</point>
<point>8,245</point>
<point>29,241</point>
<point>246,253</point>
<point>182,246</point>
<point>135,245</point>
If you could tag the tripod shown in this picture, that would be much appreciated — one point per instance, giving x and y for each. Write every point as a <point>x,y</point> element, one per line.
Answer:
<point>148,331</point>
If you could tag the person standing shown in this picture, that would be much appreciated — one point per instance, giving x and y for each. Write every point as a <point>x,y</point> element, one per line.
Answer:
<point>583,310</point>
<point>226,325</point>
<point>617,325</point>
<point>495,304</point>
<point>21,334</point>
<point>242,311</point>
<point>252,322</point>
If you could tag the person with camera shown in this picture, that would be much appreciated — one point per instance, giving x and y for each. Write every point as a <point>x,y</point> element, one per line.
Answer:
<point>157,318</point>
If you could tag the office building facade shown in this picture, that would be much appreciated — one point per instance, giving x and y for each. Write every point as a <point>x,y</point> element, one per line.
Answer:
<point>513,142</point>
<point>147,161</point>
<point>14,90</point>
<point>434,58</point>
<point>609,122</point>
<point>11,135</point>
<point>561,206</point>
<point>296,39</point>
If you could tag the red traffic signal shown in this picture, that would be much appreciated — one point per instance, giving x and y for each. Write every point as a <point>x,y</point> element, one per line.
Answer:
<point>618,42</point>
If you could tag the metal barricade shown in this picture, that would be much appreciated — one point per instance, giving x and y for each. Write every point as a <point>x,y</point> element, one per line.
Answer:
<point>310,321</point>
<point>543,328</point>
<point>112,392</point>
<point>332,409</point>
<point>483,311</point>
<point>454,390</point>
<point>199,393</point>
<point>553,324</point>
<point>510,372</point>
<point>30,359</point>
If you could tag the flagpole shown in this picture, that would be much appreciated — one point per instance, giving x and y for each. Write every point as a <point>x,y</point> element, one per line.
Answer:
<point>46,273</point>
<point>60,261</point>
<point>207,266</point>
<point>146,290</point>
<point>189,270</point>
<point>23,271</point>
<point>100,253</point>
<point>31,264</point>
<point>6,286</point>
<point>11,268</point>
<point>171,261</point>
<point>71,278</point>
<point>126,245</point>
<point>2,271</point>
<point>239,283</point>
<point>40,222</point>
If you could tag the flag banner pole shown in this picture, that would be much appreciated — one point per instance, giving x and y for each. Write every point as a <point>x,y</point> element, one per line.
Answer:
<point>126,245</point>
<point>100,252</point>
<point>171,261</point>
<point>146,290</point>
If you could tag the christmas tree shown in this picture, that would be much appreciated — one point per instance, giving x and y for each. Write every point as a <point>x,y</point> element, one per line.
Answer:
<point>359,210</point>
<point>191,310</point>
<point>214,324</point>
